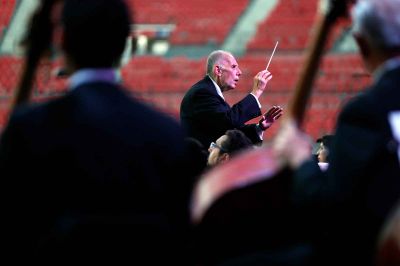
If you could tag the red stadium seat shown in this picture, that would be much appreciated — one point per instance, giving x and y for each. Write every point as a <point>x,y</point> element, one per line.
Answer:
<point>197,21</point>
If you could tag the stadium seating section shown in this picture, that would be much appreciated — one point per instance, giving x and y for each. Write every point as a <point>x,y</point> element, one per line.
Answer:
<point>162,81</point>
<point>197,21</point>
<point>291,23</point>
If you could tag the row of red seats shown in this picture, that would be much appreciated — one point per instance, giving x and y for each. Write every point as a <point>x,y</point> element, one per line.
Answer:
<point>290,23</point>
<point>197,21</point>
<point>6,11</point>
<point>46,83</point>
<point>159,11</point>
<point>10,68</point>
<point>4,112</point>
<point>338,73</point>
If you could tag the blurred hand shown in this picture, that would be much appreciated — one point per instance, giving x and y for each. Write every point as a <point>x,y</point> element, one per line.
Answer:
<point>270,117</point>
<point>291,145</point>
<point>260,82</point>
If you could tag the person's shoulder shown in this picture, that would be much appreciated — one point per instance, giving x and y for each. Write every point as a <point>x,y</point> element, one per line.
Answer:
<point>360,102</point>
<point>202,84</point>
<point>390,77</point>
<point>32,117</point>
<point>33,111</point>
<point>148,116</point>
<point>387,91</point>
<point>365,111</point>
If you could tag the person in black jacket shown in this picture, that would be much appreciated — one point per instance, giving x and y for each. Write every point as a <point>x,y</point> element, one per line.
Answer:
<point>353,197</point>
<point>206,115</point>
<point>94,176</point>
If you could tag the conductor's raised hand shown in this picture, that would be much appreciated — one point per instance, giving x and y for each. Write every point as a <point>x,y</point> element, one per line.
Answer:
<point>270,117</point>
<point>260,82</point>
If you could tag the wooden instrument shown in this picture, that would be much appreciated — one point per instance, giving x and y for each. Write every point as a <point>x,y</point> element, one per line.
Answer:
<point>37,44</point>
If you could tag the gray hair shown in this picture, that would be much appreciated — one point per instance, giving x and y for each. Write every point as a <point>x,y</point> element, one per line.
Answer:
<point>215,58</point>
<point>379,22</point>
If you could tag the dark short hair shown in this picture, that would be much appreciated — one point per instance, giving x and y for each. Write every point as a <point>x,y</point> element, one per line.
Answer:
<point>235,142</point>
<point>327,141</point>
<point>95,31</point>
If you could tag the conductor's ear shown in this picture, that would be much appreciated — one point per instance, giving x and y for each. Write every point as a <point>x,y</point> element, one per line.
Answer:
<point>217,70</point>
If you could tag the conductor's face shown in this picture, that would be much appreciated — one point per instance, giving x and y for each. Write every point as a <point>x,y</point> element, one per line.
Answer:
<point>228,73</point>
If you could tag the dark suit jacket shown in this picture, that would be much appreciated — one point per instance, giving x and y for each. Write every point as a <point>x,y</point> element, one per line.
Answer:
<point>93,176</point>
<point>362,182</point>
<point>206,116</point>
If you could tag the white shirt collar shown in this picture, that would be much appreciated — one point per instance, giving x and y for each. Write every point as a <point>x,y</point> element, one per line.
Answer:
<point>87,75</point>
<point>217,88</point>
